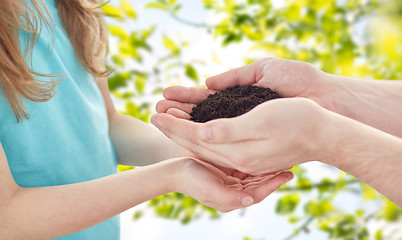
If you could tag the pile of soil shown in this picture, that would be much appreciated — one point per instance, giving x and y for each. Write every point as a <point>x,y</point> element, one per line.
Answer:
<point>231,102</point>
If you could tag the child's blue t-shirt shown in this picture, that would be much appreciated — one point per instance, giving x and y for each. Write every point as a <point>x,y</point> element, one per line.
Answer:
<point>66,139</point>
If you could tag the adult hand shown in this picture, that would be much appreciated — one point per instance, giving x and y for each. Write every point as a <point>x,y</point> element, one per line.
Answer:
<point>340,141</point>
<point>274,136</point>
<point>224,190</point>
<point>289,78</point>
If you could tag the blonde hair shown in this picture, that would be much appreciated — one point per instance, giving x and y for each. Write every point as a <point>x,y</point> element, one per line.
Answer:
<point>83,22</point>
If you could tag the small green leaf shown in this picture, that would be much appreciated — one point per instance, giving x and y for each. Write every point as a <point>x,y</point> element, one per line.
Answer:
<point>118,60</point>
<point>325,185</point>
<point>171,45</point>
<point>304,184</point>
<point>132,109</point>
<point>137,215</point>
<point>228,39</point>
<point>287,204</point>
<point>148,32</point>
<point>186,220</point>
<point>359,213</point>
<point>294,219</point>
<point>191,72</point>
<point>177,8</point>
<point>128,9</point>
<point>379,235</point>
<point>231,38</point>
<point>157,5</point>
<point>118,80</point>
<point>318,208</point>
<point>158,91</point>
<point>391,212</point>
<point>112,10</point>
<point>122,168</point>
<point>118,31</point>
<point>368,192</point>
<point>140,82</point>
<point>127,95</point>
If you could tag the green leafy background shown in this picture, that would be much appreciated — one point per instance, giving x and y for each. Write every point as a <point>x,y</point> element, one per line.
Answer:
<point>359,38</point>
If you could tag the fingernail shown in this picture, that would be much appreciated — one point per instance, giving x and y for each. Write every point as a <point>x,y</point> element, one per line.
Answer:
<point>247,201</point>
<point>290,177</point>
<point>205,133</point>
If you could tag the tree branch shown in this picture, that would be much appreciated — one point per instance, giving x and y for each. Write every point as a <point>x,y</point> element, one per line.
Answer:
<point>316,185</point>
<point>187,22</point>
<point>303,227</point>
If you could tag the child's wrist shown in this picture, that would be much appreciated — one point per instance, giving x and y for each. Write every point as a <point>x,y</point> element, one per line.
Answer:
<point>172,171</point>
<point>180,175</point>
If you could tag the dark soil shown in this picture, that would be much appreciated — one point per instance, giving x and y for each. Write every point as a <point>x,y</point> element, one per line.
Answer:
<point>231,102</point>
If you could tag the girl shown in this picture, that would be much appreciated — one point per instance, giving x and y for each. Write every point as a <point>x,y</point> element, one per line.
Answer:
<point>61,137</point>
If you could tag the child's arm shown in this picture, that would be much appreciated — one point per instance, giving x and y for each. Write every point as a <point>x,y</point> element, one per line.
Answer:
<point>49,212</point>
<point>137,143</point>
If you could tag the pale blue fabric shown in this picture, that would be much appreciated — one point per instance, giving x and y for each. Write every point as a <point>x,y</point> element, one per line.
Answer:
<point>66,139</point>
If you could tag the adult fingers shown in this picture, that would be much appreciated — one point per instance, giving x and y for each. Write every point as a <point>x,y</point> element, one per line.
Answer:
<point>186,94</point>
<point>180,127</point>
<point>163,105</point>
<point>249,126</point>
<point>233,148</point>
<point>230,130</point>
<point>184,133</point>
<point>248,156</point>
<point>256,124</point>
<point>237,146</point>
<point>246,75</point>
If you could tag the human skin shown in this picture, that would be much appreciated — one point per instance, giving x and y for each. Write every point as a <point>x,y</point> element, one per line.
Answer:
<point>135,141</point>
<point>373,102</point>
<point>50,212</point>
<point>306,126</point>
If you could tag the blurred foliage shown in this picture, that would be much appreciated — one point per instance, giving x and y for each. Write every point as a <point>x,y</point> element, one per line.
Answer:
<point>360,38</point>
<point>248,238</point>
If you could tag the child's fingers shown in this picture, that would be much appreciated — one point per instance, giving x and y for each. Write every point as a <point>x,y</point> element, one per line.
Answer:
<point>178,113</point>
<point>228,199</point>
<point>265,188</point>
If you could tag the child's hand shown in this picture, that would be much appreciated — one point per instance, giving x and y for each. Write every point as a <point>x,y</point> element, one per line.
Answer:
<point>222,188</point>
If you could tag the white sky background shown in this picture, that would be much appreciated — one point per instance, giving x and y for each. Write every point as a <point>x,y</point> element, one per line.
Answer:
<point>258,221</point>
